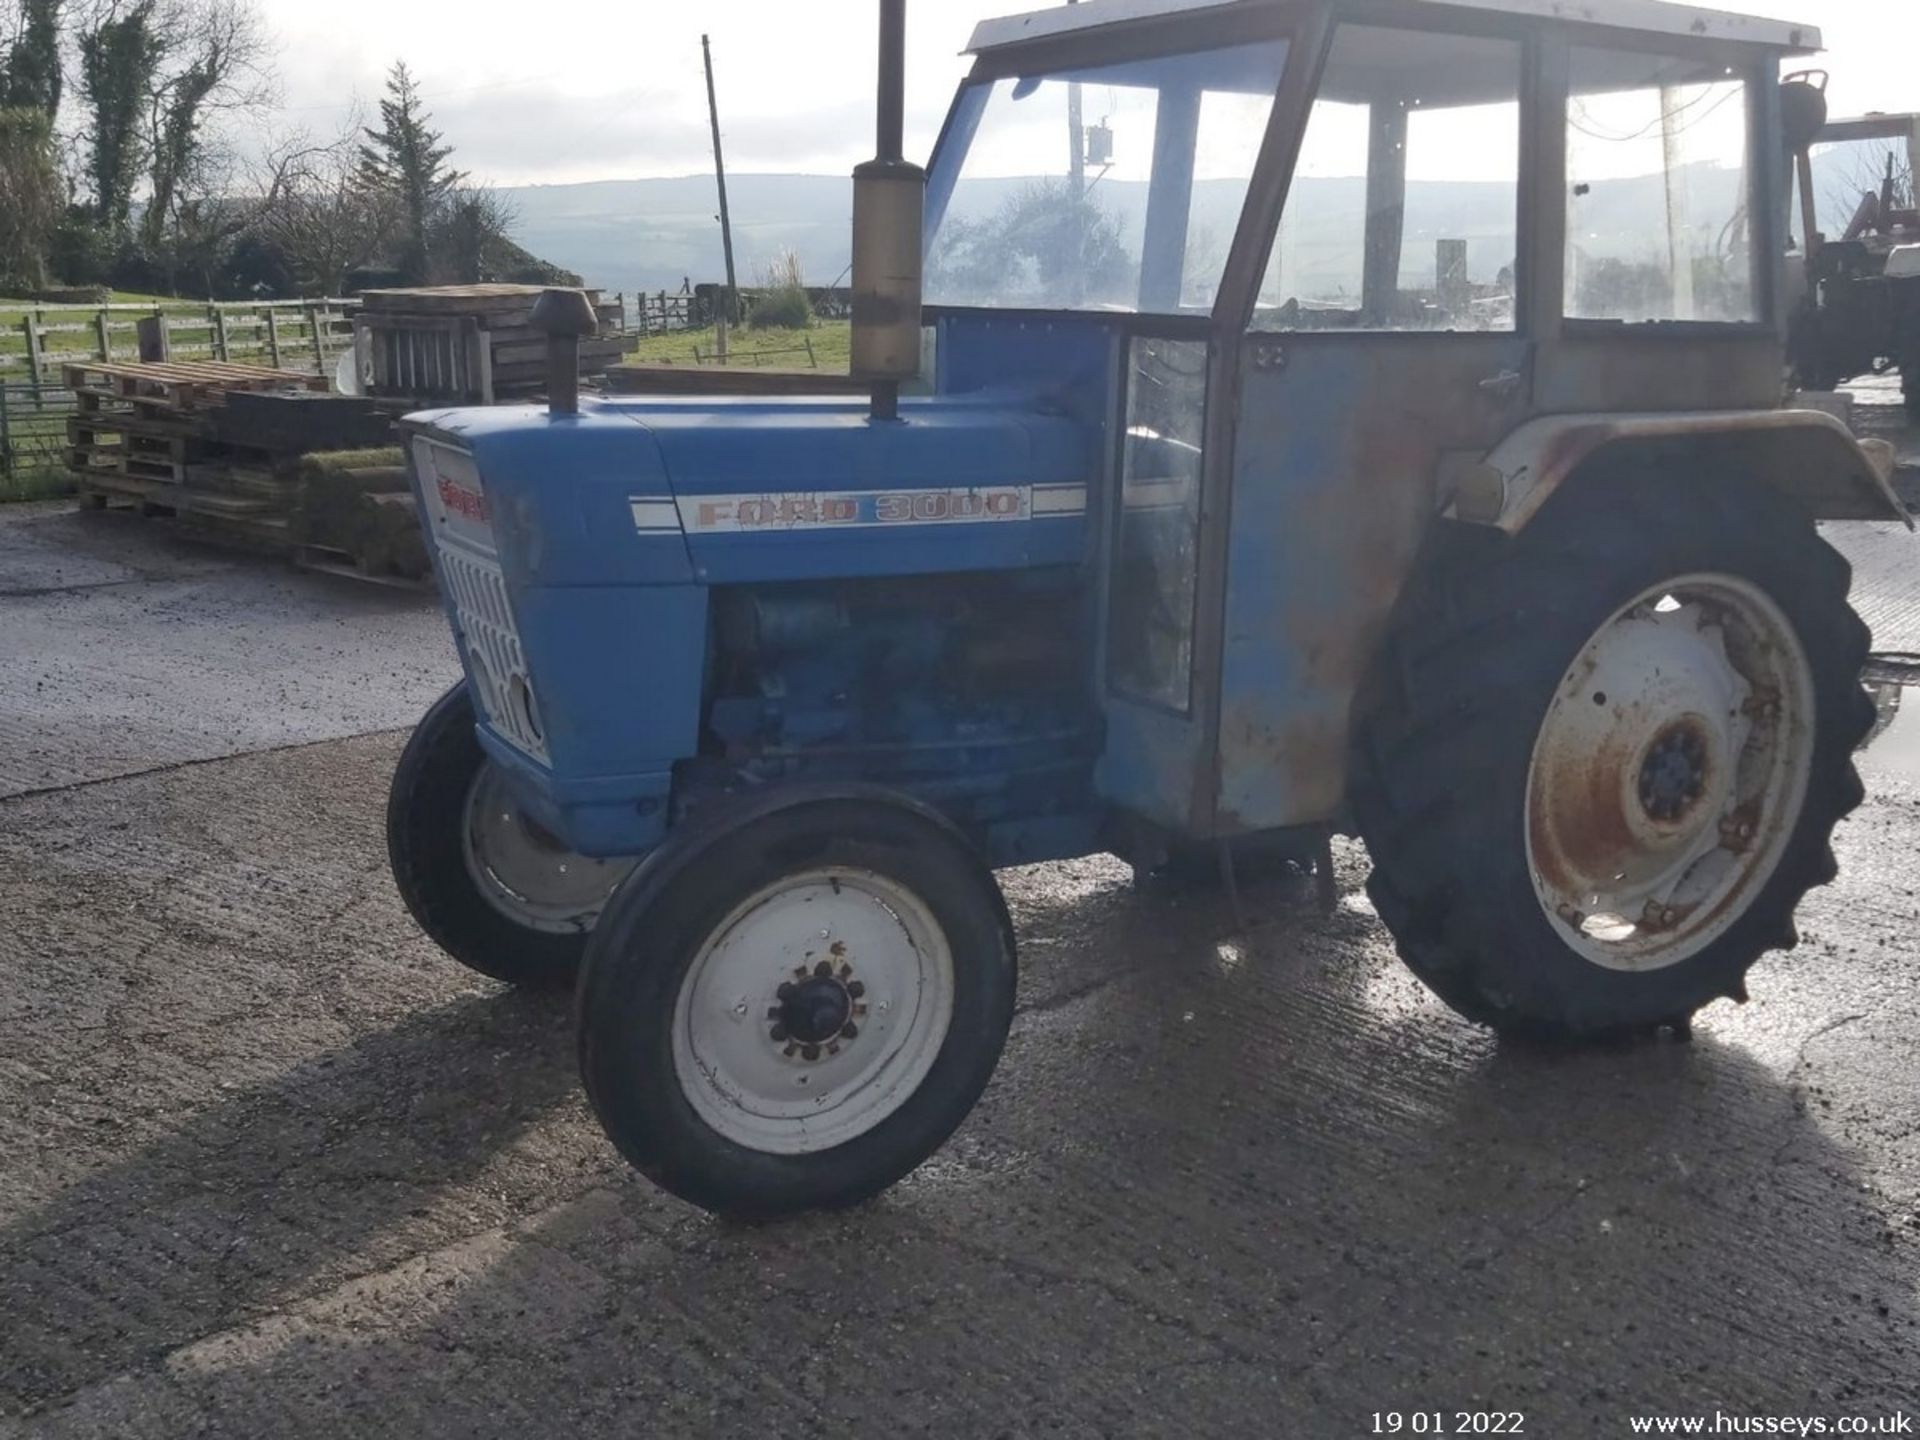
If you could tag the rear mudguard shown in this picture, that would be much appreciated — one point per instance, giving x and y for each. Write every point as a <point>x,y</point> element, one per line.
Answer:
<point>1806,453</point>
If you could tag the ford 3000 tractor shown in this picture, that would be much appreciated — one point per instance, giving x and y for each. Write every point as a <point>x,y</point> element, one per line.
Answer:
<point>1277,418</point>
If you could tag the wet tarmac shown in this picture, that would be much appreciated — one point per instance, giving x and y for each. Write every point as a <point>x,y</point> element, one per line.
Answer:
<point>273,1166</point>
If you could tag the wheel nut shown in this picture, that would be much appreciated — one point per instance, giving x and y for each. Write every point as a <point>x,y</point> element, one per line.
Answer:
<point>778,1034</point>
<point>850,1032</point>
<point>810,1053</point>
<point>856,989</point>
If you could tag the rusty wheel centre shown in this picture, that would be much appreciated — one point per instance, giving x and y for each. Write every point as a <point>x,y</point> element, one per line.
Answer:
<point>1669,772</point>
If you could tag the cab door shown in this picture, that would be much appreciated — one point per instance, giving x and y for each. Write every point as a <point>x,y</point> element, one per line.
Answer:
<point>1389,332</point>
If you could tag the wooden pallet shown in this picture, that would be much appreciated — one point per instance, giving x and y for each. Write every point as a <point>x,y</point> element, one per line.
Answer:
<point>461,300</point>
<point>101,489</point>
<point>180,385</point>
<point>108,415</point>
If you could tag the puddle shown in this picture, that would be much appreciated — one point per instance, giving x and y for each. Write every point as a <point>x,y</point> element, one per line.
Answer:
<point>1894,746</point>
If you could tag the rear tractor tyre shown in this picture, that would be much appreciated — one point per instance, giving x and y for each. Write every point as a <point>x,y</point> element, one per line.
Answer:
<point>1602,762</point>
<point>799,1011</point>
<point>483,879</point>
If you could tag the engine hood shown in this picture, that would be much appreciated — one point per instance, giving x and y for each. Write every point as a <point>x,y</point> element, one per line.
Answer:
<point>716,490</point>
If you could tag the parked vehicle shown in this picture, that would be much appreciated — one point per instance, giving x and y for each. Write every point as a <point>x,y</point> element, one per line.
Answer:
<point>1861,315</point>
<point>1343,416</point>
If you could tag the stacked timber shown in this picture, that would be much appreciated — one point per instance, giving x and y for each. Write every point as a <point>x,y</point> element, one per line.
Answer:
<point>466,345</point>
<point>257,458</point>
<point>142,430</point>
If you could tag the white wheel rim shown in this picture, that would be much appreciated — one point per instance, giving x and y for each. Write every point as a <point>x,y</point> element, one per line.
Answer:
<point>1670,773</point>
<point>842,938</point>
<point>524,872</point>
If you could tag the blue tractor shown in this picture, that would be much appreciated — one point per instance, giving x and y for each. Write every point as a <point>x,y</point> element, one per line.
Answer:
<point>1280,418</point>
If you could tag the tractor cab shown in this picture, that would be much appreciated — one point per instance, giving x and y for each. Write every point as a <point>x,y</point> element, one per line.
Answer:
<point>1298,260</point>
<point>1281,417</point>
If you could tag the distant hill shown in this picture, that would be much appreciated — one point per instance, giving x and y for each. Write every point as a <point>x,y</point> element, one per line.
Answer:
<point>631,235</point>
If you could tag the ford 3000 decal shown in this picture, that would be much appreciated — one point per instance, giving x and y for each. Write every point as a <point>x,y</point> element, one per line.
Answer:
<point>815,510</point>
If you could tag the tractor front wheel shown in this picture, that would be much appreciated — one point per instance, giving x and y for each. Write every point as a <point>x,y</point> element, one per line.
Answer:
<point>1604,760</point>
<point>485,880</point>
<point>795,1013</point>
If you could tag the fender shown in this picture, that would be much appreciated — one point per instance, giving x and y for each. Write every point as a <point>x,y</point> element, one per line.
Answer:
<point>1807,453</point>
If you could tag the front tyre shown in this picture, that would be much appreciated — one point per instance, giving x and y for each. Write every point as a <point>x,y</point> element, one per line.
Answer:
<point>483,879</point>
<point>1604,760</point>
<point>798,1015</point>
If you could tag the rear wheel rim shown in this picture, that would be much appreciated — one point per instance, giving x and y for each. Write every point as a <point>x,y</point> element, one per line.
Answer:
<point>813,1011</point>
<point>1670,773</point>
<point>525,872</point>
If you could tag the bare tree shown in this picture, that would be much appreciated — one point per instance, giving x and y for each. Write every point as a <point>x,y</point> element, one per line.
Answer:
<point>215,60</point>
<point>311,207</point>
<point>467,234</point>
<point>1861,169</point>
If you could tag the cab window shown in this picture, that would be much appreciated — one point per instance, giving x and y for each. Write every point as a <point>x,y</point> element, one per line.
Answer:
<point>1115,188</point>
<point>1404,209</point>
<point>1659,221</point>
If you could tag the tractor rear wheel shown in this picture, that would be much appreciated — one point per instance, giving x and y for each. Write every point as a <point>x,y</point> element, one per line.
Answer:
<point>1602,762</point>
<point>483,879</point>
<point>796,1010</point>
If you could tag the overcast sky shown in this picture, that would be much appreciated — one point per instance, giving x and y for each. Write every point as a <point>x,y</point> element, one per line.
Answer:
<point>567,90</point>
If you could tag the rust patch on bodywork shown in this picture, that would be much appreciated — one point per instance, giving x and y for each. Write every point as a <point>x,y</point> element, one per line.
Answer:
<point>1336,482</point>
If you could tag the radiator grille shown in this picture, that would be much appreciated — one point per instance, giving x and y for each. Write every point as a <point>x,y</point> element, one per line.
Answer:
<point>496,664</point>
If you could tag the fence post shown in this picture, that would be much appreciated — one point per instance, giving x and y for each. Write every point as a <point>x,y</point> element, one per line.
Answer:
<point>219,319</point>
<point>31,324</point>
<point>6,435</point>
<point>273,336</point>
<point>319,347</point>
<point>105,331</point>
<point>151,331</point>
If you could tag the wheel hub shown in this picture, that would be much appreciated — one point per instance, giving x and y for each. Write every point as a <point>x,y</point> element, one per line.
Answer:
<point>1673,777</point>
<point>813,1011</point>
<point>817,1009</point>
<point>1670,769</point>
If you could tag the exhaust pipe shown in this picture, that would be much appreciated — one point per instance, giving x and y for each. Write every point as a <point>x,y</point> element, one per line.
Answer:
<point>566,317</point>
<point>889,215</point>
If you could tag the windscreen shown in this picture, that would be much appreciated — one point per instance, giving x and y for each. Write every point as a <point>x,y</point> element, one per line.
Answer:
<point>1111,188</point>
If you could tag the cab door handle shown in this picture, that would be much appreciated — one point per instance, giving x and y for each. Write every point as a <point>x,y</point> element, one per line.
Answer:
<point>1505,385</point>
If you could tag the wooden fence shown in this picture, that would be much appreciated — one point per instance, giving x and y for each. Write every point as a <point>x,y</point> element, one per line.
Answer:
<point>663,312</point>
<point>304,335</point>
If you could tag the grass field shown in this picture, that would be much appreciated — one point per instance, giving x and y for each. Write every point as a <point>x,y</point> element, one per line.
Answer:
<point>832,342</point>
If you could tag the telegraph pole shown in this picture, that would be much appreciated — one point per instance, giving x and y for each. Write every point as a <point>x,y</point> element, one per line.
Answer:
<point>726,316</point>
<point>1077,137</point>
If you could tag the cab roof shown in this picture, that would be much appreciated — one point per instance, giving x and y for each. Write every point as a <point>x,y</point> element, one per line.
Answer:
<point>1645,17</point>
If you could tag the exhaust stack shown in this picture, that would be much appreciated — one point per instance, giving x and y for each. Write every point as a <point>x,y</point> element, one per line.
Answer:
<point>889,215</point>
<point>566,317</point>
